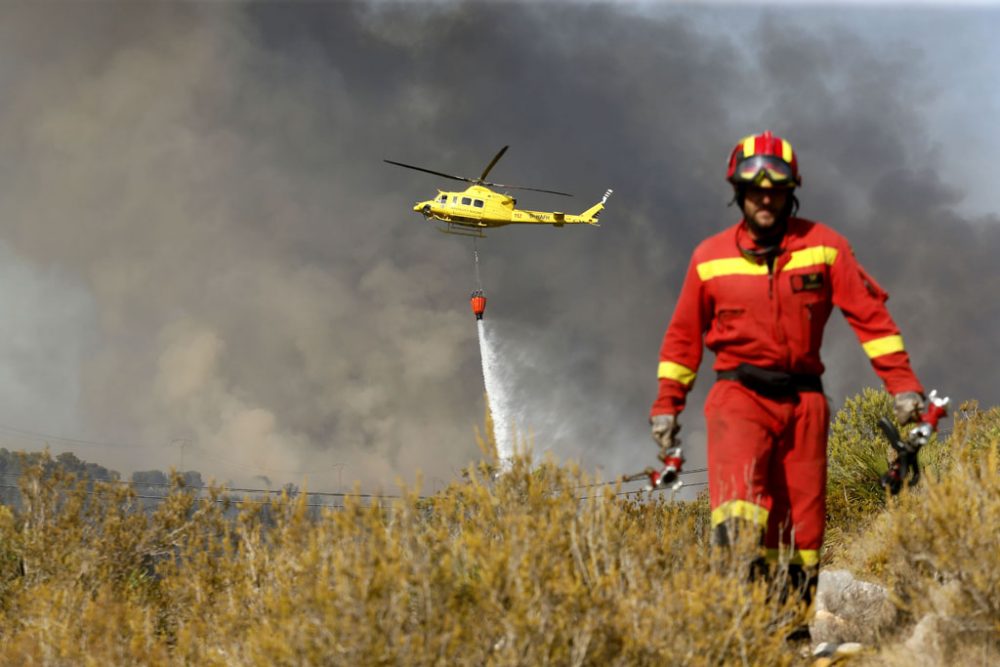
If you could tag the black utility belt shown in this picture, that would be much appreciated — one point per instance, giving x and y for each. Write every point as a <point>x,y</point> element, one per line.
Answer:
<point>767,382</point>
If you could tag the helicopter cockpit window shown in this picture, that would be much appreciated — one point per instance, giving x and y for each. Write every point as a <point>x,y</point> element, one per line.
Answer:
<point>466,201</point>
<point>478,203</point>
<point>443,199</point>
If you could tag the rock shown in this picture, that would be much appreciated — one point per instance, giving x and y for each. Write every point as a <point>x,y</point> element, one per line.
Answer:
<point>849,610</point>
<point>926,644</point>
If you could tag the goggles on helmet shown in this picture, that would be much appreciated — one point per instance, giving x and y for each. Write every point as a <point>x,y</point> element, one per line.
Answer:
<point>754,170</point>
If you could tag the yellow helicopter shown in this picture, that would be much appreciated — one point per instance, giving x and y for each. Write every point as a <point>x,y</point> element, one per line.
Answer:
<point>469,212</point>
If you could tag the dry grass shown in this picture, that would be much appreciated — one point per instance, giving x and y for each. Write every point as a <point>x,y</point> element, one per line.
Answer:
<point>513,571</point>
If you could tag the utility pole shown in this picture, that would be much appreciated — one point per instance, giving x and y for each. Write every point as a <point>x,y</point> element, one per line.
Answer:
<point>181,443</point>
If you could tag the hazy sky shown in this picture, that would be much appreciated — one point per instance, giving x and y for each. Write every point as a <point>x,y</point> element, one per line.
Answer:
<point>205,256</point>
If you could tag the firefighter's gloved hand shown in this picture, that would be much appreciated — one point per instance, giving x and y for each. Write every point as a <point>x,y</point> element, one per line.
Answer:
<point>908,406</point>
<point>665,428</point>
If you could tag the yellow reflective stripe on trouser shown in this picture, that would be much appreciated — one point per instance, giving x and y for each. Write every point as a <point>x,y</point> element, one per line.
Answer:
<point>730,266</point>
<point>819,254</point>
<point>672,371</point>
<point>806,557</point>
<point>739,509</point>
<point>880,346</point>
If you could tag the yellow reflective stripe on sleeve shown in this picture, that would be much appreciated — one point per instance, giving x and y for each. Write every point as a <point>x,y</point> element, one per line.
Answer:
<point>672,371</point>
<point>730,266</point>
<point>739,509</point>
<point>880,346</point>
<point>749,146</point>
<point>806,557</point>
<point>786,151</point>
<point>819,254</point>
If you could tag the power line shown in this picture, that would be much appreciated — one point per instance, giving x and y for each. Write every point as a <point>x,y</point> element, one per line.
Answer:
<point>48,437</point>
<point>202,487</point>
<point>325,494</point>
<point>226,500</point>
<point>255,501</point>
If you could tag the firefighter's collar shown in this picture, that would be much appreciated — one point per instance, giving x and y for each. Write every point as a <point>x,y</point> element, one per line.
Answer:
<point>766,248</point>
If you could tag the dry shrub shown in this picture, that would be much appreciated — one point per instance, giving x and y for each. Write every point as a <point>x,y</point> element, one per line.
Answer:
<point>514,570</point>
<point>936,547</point>
<point>942,548</point>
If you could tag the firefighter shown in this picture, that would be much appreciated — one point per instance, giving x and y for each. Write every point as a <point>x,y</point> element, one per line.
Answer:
<point>759,294</point>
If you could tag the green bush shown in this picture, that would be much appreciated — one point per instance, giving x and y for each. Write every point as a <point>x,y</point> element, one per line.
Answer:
<point>857,459</point>
<point>859,453</point>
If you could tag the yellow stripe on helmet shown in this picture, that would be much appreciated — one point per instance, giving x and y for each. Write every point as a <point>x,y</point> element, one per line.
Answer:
<point>786,151</point>
<point>740,509</point>
<point>749,146</point>
<point>673,371</point>
<point>882,346</point>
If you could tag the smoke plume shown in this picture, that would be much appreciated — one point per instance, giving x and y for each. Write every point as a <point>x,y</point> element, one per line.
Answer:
<point>204,252</point>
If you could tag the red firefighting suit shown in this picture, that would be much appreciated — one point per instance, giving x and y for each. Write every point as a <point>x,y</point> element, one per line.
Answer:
<point>767,454</point>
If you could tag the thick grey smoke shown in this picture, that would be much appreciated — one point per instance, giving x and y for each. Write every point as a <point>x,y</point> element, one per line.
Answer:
<point>209,259</point>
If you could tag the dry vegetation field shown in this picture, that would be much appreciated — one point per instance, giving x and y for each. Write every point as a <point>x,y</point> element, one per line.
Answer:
<point>513,571</point>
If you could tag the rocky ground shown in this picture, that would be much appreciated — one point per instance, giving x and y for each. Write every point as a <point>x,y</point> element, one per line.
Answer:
<point>850,610</point>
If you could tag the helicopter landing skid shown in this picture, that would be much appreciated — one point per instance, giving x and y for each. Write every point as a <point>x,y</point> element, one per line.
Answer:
<point>462,231</point>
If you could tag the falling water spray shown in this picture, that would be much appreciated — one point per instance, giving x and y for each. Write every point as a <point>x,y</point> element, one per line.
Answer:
<point>497,396</point>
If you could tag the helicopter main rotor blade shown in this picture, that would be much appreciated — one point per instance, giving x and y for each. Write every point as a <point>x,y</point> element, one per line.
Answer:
<point>430,171</point>
<point>478,181</point>
<point>522,187</point>
<point>495,159</point>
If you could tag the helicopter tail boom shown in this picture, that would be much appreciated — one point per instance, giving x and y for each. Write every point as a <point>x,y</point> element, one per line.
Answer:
<point>590,215</point>
<point>558,218</point>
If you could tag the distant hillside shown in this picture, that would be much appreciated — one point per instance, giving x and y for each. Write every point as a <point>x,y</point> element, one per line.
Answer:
<point>12,465</point>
